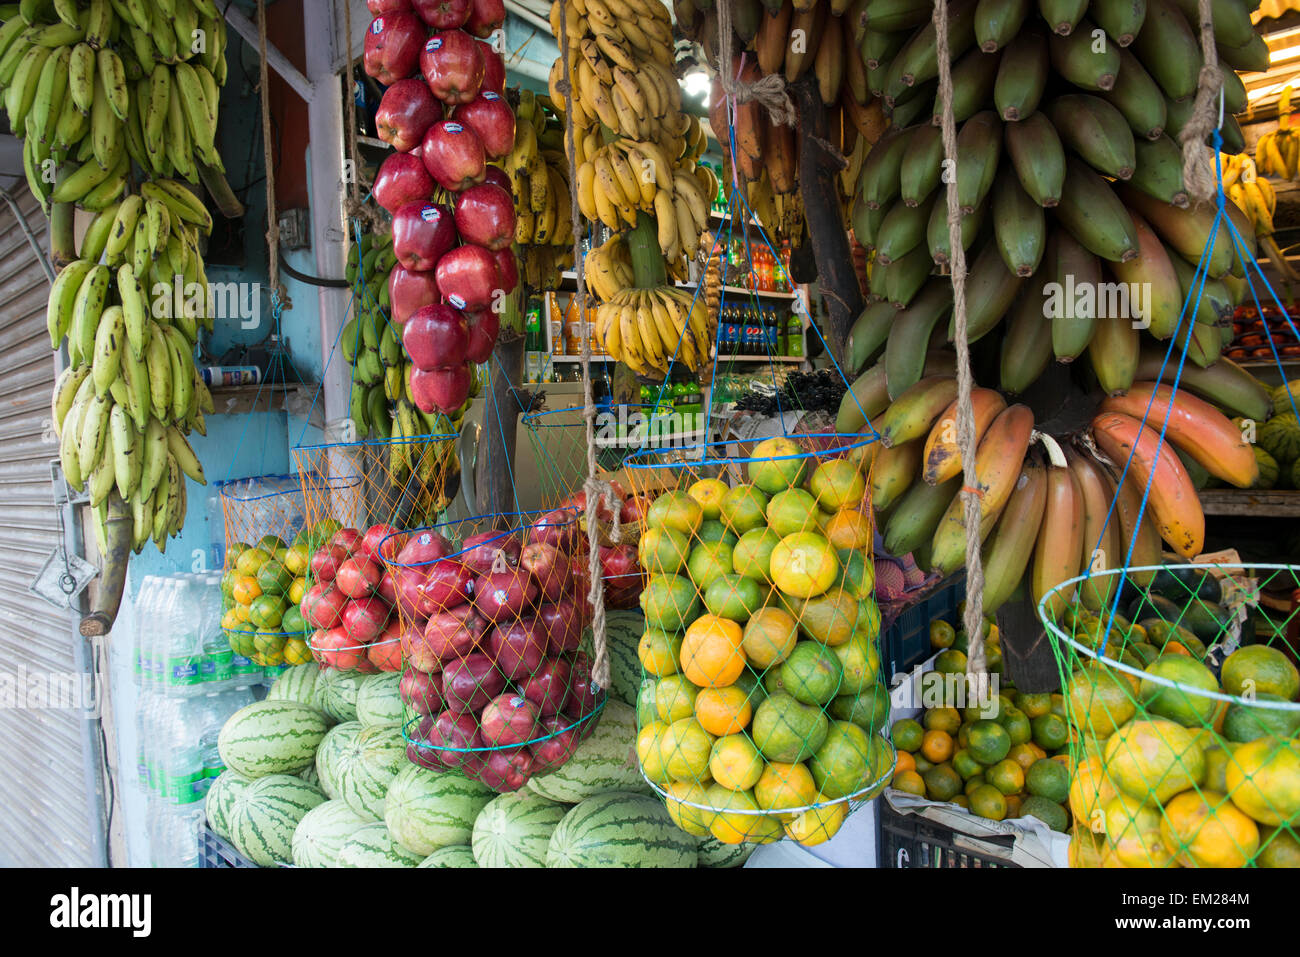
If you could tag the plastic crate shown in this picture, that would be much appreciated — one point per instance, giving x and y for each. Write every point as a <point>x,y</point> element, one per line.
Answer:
<point>907,641</point>
<point>214,852</point>
<point>905,840</point>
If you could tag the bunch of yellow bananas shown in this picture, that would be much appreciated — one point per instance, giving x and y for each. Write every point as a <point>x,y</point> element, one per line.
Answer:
<point>1252,193</point>
<point>648,328</point>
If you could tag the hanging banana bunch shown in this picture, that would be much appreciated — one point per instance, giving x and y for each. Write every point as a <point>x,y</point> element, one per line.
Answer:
<point>539,177</point>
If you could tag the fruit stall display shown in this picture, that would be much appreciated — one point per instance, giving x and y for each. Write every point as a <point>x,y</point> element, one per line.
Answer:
<point>761,715</point>
<point>117,116</point>
<point>1256,333</point>
<point>317,776</point>
<point>1186,741</point>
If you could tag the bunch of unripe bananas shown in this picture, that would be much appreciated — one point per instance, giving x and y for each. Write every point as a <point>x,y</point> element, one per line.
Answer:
<point>105,83</point>
<point>131,393</point>
<point>539,176</point>
<point>381,405</point>
<point>636,154</point>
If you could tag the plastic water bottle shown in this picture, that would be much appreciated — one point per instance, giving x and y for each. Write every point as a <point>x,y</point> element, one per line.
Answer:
<point>148,589</point>
<point>181,642</point>
<point>156,616</point>
<point>218,669</point>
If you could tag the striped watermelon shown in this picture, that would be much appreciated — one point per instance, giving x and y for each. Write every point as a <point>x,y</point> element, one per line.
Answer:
<point>310,775</point>
<point>336,693</point>
<point>514,830</point>
<point>295,684</point>
<point>457,855</point>
<point>271,737</point>
<point>1280,438</point>
<point>426,810</point>
<point>373,846</point>
<point>605,762</point>
<point>620,830</point>
<point>1268,468</point>
<point>265,814</point>
<point>322,832</point>
<point>378,701</point>
<point>713,853</point>
<point>360,764</point>
<point>225,788</point>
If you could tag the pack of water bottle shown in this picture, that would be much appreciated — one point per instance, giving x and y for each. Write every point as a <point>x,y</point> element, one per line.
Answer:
<point>190,683</point>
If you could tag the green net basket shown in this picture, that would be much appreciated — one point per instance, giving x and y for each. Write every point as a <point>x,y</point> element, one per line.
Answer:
<point>1181,699</point>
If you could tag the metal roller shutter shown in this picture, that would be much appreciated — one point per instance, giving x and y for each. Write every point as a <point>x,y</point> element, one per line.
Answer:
<point>48,813</point>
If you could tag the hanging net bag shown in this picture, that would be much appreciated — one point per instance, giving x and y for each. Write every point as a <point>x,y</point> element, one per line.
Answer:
<point>1179,681</point>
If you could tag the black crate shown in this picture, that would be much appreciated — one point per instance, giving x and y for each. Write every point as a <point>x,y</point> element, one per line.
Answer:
<point>905,840</point>
<point>214,852</point>
<point>907,641</point>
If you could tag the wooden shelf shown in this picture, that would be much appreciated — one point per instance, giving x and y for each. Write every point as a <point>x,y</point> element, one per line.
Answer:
<point>1267,503</point>
<point>376,143</point>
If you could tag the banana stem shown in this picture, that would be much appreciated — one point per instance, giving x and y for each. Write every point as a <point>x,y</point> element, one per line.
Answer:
<point>648,268</point>
<point>1055,455</point>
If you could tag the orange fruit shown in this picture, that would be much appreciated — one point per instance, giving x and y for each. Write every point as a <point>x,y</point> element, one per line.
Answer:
<point>711,652</point>
<point>724,711</point>
<point>942,719</point>
<point>1013,806</point>
<point>905,762</point>
<point>1023,755</point>
<point>735,763</point>
<point>849,528</point>
<point>246,589</point>
<point>838,483</point>
<point>1205,829</point>
<point>769,637</point>
<point>784,786</point>
<point>909,781</point>
<point>1007,776</point>
<point>988,802</point>
<point>804,565</point>
<point>937,746</point>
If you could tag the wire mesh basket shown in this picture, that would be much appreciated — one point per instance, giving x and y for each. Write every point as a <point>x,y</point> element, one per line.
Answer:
<point>1181,697</point>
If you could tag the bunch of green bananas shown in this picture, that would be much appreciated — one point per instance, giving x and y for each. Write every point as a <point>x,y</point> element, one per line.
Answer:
<point>381,404</point>
<point>130,393</point>
<point>539,175</point>
<point>108,82</point>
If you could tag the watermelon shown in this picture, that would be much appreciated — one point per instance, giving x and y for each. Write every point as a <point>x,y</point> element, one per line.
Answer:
<point>713,853</point>
<point>1280,438</point>
<point>359,764</point>
<point>265,814</point>
<point>620,830</point>
<point>378,701</point>
<point>271,737</point>
<point>1268,468</point>
<point>225,788</point>
<point>336,693</point>
<point>310,774</point>
<point>1295,474</point>
<point>605,762</point>
<point>1285,395</point>
<point>623,631</point>
<point>295,684</point>
<point>373,846</point>
<point>457,855</point>
<point>322,832</point>
<point>514,830</point>
<point>426,810</point>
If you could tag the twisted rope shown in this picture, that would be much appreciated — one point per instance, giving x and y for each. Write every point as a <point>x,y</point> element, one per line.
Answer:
<point>272,220</point>
<point>595,490</point>
<point>1198,172</point>
<point>769,92</point>
<point>970,494</point>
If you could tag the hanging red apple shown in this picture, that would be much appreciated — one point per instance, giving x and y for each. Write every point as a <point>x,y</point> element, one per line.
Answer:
<point>392,46</point>
<point>453,154</point>
<point>452,65</point>
<point>407,109</point>
<point>423,233</point>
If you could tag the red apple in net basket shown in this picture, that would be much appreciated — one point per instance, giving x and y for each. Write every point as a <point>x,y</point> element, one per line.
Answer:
<point>548,566</point>
<point>365,618</point>
<point>358,576</point>
<point>339,649</point>
<point>485,16</point>
<point>471,682</point>
<point>447,584</point>
<point>548,686</point>
<point>518,647</point>
<point>557,527</point>
<point>420,692</point>
<point>485,214</point>
<point>441,390</point>
<point>507,269</point>
<point>424,548</point>
<point>325,562</point>
<point>455,733</point>
<point>416,651</point>
<point>494,70</point>
<point>584,694</point>
<point>454,156</point>
<point>467,277</point>
<point>392,47</point>
<point>322,605</point>
<point>422,234</point>
<point>504,596</point>
<point>419,750</point>
<point>381,541</point>
<point>402,179</point>
<point>442,14</point>
<point>493,550</point>
<point>387,589</point>
<point>348,539</point>
<point>484,327</point>
<point>562,621</point>
<point>507,770</point>
<point>508,719</point>
<point>492,119</point>
<point>558,747</point>
<point>453,634</point>
<point>385,652</point>
<point>452,64</point>
<point>408,290</point>
<point>406,111</point>
<point>435,337</point>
